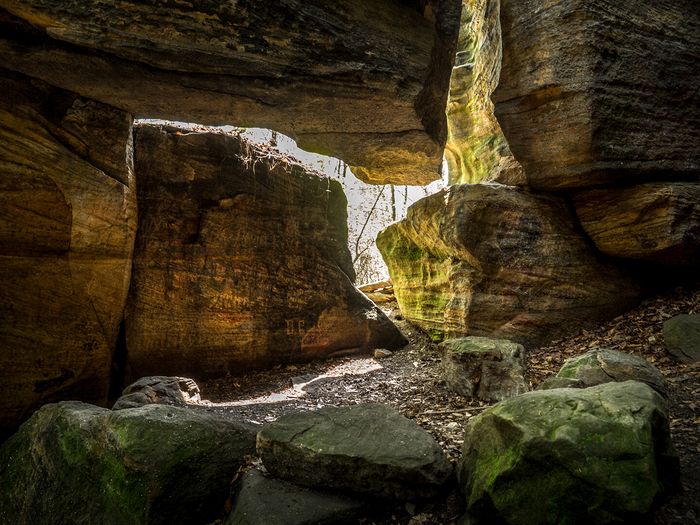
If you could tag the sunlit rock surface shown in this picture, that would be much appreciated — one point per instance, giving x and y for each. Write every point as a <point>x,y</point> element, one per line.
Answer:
<point>654,222</point>
<point>365,81</point>
<point>600,91</point>
<point>476,149</point>
<point>67,225</point>
<point>497,261</point>
<point>241,261</point>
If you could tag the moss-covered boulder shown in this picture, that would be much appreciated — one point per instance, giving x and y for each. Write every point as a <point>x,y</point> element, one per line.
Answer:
<point>569,456</point>
<point>497,261</point>
<point>369,449</point>
<point>682,337</point>
<point>77,463</point>
<point>602,365</point>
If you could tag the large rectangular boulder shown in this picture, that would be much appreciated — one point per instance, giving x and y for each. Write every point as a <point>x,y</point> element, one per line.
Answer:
<point>241,261</point>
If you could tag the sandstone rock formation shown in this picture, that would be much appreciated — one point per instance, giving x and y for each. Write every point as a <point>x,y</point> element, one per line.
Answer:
<point>77,463</point>
<point>598,455</point>
<point>369,449</point>
<point>67,225</point>
<point>241,261</point>
<point>365,81</point>
<point>476,149</point>
<point>602,365</point>
<point>654,222</point>
<point>499,262</point>
<point>598,91</point>
<point>490,369</point>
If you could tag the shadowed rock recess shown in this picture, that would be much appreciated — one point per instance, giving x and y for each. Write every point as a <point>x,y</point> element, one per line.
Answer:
<point>365,81</point>
<point>241,261</point>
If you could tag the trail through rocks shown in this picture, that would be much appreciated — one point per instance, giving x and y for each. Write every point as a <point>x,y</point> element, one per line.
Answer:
<point>410,380</point>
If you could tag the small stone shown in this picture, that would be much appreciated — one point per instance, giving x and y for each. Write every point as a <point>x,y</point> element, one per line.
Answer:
<point>381,353</point>
<point>162,390</point>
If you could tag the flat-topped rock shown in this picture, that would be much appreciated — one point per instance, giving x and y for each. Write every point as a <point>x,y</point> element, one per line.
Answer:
<point>368,449</point>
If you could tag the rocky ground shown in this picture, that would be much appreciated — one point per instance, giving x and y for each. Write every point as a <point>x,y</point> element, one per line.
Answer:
<point>410,381</point>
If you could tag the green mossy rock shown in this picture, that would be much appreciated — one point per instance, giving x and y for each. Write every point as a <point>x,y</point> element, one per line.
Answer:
<point>602,365</point>
<point>682,337</point>
<point>569,456</point>
<point>369,449</point>
<point>76,463</point>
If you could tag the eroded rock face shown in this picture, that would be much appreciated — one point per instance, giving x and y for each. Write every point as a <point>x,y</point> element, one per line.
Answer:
<point>368,449</point>
<point>499,262</point>
<point>67,226</point>
<point>365,81</point>
<point>161,390</point>
<point>476,150</point>
<point>241,261</point>
<point>654,222</point>
<point>598,91</point>
<point>598,455</point>
<point>77,463</point>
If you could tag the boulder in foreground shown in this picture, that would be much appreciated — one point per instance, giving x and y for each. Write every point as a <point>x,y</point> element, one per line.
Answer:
<point>369,449</point>
<point>597,455</point>
<point>77,463</point>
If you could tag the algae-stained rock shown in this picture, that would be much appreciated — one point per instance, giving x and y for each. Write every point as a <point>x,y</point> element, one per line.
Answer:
<point>490,369</point>
<point>241,261</point>
<point>76,463</point>
<point>370,449</point>
<point>656,222</point>
<point>362,80</point>
<point>602,365</point>
<point>598,91</point>
<point>496,261</point>
<point>597,455</point>
<point>162,390</point>
<point>262,500</point>
<point>682,337</point>
<point>67,227</point>
<point>476,149</point>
